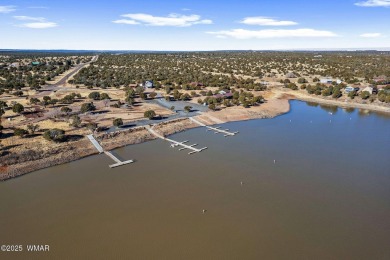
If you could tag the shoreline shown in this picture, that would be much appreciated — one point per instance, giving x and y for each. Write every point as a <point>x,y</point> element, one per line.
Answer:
<point>279,105</point>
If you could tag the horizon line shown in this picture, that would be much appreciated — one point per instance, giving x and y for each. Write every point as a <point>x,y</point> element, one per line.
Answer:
<point>221,50</point>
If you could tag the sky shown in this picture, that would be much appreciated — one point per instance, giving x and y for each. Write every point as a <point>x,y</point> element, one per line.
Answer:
<point>194,25</point>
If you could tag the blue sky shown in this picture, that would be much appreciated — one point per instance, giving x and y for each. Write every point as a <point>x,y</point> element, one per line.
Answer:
<point>194,25</point>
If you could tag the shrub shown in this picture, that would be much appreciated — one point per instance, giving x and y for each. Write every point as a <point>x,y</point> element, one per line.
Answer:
<point>66,109</point>
<point>20,132</point>
<point>149,114</point>
<point>117,122</point>
<point>188,108</point>
<point>104,96</point>
<point>94,95</point>
<point>86,107</point>
<point>18,108</point>
<point>55,135</point>
<point>365,94</point>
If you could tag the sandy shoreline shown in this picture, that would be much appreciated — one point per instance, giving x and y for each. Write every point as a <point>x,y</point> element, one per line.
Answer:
<point>277,105</point>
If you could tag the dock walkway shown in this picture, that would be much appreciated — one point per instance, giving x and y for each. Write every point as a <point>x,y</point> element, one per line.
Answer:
<point>95,143</point>
<point>215,129</point>
<point>109,154</point>
<point>175,143</point>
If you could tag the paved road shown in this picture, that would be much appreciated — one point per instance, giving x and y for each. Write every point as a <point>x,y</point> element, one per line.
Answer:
<point>46,90</point>
<point>179,108</point>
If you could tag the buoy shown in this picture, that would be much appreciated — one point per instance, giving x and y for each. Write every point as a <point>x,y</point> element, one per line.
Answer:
<point>204,211</point>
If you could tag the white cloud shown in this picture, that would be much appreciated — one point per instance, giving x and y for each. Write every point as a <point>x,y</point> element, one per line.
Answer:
<point>265,21</point>
<point>35,22</point>
<point>374,3</point>
<point>5,9</point>
<point>177,20</point>
<point>125,21</point>
<point>274,33</point>
<point>29,18</point>
<point>39,25</point>
<point>371,35</point>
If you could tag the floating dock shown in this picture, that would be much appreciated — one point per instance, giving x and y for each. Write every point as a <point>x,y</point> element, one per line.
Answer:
<point>109,154</point>
<point>177,144</point>
<point>216,130</point>
<point>118,162</point>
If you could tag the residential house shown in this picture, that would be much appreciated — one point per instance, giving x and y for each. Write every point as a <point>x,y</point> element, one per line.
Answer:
<point>369,90</point>
<point>290,75</point>
<point>329,81</point>
<point>149,84</point>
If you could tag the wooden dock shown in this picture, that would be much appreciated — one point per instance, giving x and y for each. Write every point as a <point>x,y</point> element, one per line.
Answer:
<point>177,144</point>
<point>118,162</point>
<point>216,130</point>
<point>109,154</point>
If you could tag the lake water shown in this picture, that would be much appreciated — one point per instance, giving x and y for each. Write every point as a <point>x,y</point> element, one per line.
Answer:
<point>327,196</point>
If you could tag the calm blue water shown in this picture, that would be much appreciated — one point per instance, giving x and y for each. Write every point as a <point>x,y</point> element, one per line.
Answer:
<point>327,196</point>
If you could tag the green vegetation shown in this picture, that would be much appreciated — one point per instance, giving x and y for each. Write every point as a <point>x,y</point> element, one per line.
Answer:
<point>32,128</point>
<point>20,132</point>
<point>75,121</point>
<point>188,109</point>
<point>150,114</point>
<point>17,70</point>
<point>55,135</point>
<point>117,122</point>
<point>87,107</point>
<point>18,108</point>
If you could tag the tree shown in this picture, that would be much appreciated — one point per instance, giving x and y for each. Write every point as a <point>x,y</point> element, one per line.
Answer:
<point>153,95</point>
<point>32,128</point>
<point>18,108</point>
<point>302,80</point>
<point>55,135</point>
<point>117,122</point>
<point>20,132</point>
<point>86,107</point>
<point>172,108</point>
<point>94,95</point>
<point>352,94</point>
<point>188,108</point>
<point>92,126</point>
<point>75,121</point>
<point>46,98</point>
<point>212,106</point>
<point>258,99</point>
<point>34,101</point>
<point>150,114</point>
<point>104,96</point>
<point>129,100</point>
<point>143,96</point>
<point>66,110</point>
<point>3,105</point>
<point>130,93</point>
<point>365,94</point>
<point>336,93</point>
